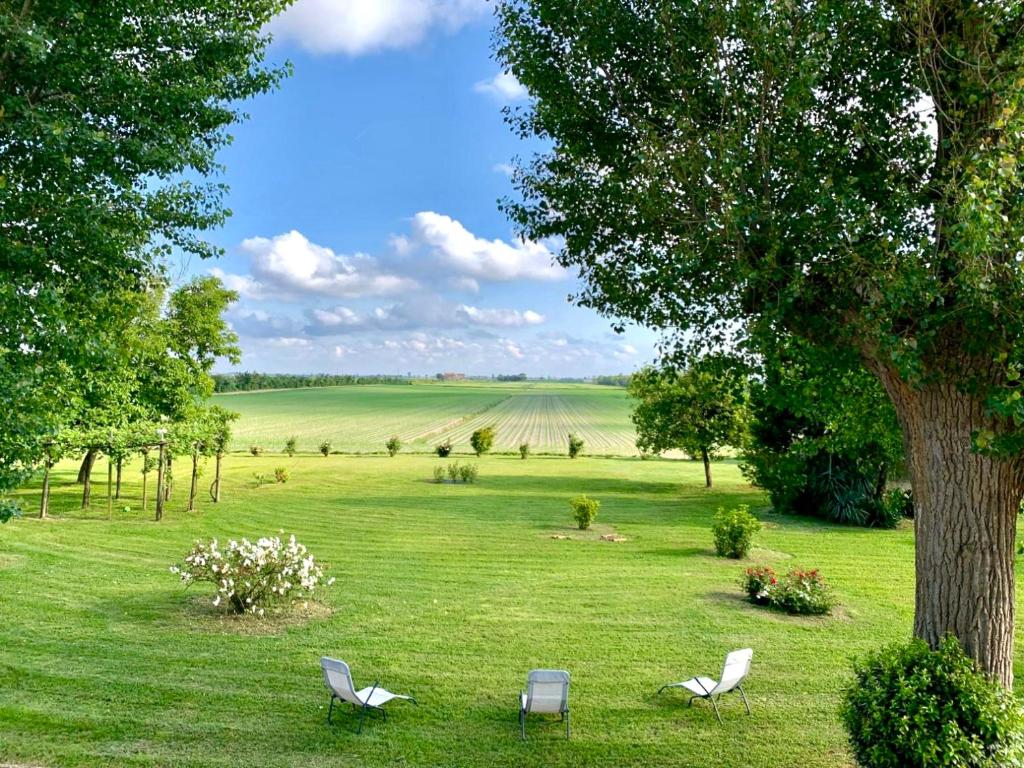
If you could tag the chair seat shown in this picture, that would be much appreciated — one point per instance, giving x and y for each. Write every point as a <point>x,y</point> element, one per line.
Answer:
<point>699,686</point>
<point>372,697</point>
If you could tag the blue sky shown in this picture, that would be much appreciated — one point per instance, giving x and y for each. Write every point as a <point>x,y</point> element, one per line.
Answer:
<point>366,236</point>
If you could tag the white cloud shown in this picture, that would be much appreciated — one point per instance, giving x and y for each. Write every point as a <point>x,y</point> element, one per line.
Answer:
<point>355,27</point>
<point>628,349</point>
<point>513,349</point>
<point>257,323</point>
<point>458,248</point>
<point>290,263</point>
<point>246,287</point>
<point>289,342</point>
<point>509,318</point>
<point>503,168</point>
<point>503,86</point>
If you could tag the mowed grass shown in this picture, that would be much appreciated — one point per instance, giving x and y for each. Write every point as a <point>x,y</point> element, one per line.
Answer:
<point>450,593</point>
<point>359,419</point>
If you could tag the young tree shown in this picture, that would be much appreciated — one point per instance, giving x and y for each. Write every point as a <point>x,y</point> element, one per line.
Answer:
<point>700,410</point>
<point>112,115</point>
<point>482,440</point>
<point>732,171</point>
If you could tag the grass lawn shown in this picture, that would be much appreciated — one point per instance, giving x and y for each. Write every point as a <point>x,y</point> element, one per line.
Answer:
<point>450,593</point>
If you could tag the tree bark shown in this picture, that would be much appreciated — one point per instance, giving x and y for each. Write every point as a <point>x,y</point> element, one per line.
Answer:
<point>216,479</point>
<point>44,502</point>
<point>194,487</point>
<point>86,466</point>
<point>966,506</point>
<point>706,458</point>
<point>117,482</point>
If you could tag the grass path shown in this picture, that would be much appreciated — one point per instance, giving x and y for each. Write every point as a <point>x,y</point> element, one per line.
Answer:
<point>448,592</point>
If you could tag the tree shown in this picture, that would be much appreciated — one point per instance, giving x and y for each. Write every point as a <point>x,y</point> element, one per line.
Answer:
<point>482,440</point>
<point>700,410</point>
<point>111,116</point>
<point>734,171</point>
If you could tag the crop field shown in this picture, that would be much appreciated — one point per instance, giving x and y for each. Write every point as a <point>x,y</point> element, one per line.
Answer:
<point>447,592</point>
<point>359,419</point>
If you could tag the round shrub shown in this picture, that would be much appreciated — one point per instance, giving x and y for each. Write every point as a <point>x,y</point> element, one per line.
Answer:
<point>325,447</point>
<point>734,531</point>
<point>393,445</point>
<point>911,707</point>
<point>575,445</point>
<point>253,576</point>
<point>468,473</point>
<point>756,582</point>
<point>281,474</point>
<point>801,592</point>
<point>444,450</point>
<point>9,509</point>
<point>439,474</point>
<point>524,450</point>
<point>482,440</point>
<point>584,510</point>
<point>256,450</point>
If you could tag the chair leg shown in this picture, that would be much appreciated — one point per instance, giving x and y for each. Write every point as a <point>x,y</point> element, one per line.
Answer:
<point>745,702</point>
<point>362,716</point>
<point>690,702</point>
<point>717,713</point>
<point>522,724</point>
<point>330,710</point>
<point>566,718</point>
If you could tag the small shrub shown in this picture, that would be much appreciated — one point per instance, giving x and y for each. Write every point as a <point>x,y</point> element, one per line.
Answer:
<point>325,447</point>
<point>9,509</point>
<point>584,510</point>
<point>253,576</point>
<point>802,593</point>
<point>394,445</point>
<point>756,582</point>
<point>482,440</point>
<point>734,531</point>
<point>281,474</point>
<point>453,472</point>
<point>898,504</point>
<point>439,474</point>
<point>524,450</point>
<point>256,450</point>
<point>260,478</point>
<point>575,445</point>
<point>289,446</point>
<point>468,473</point>
<point>444,450</point>
<point>911,707</point>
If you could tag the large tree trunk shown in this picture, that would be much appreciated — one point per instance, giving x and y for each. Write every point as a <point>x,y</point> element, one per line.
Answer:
<point>86,467</point>
<point>966,507</point>
<point>706,458</point>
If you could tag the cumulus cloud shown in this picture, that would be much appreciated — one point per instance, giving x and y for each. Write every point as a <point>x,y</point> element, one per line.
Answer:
<point>503,168</point>
<point>355,27</point>
<point>290,263</point>
<point>418,313</point>
<point>503,86</point>
<point>288,342</point>
<point>458,248</point>
<point>508,318</point>
<point>261,324</point>
<point>246,287</point>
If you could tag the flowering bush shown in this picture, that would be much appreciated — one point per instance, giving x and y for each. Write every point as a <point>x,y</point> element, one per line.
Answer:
<point>757,581</point>
<point>798,592</point>
<point>253,576</point>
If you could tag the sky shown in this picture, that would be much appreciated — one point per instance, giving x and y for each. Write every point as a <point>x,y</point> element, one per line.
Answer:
<point>366,236</point>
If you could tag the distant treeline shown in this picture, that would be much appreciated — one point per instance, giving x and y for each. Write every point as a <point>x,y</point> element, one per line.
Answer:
<point>620,380</point>
<point>248,382</point>
<point>511,377</point>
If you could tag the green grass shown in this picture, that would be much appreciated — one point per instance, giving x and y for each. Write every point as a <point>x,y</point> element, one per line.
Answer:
<point>361,418</point>
<point>451,593</point>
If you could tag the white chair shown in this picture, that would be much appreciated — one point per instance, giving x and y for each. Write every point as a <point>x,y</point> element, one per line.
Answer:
<point>734,672</point>
<point>338,680</point>
<point>547,692</point>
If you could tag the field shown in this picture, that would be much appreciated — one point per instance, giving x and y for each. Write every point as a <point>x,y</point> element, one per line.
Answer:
<point>448,592</point>
<point>359,419</point>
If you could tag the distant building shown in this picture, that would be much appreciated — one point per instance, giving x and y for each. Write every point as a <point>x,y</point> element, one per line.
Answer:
<point>450,376</point>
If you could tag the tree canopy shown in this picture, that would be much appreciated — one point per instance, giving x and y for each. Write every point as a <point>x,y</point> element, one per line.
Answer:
<point>111,117</point>
<point>732,172</point>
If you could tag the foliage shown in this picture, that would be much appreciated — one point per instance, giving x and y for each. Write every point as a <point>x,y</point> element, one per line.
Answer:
<point>700,410</point>
<point>823,438</point>
<point>110,128</point>
<point>734,531</point>
<point>756,581</point>
<point>482,440</point>
<point>468,473</point>
<point>256,450</point>
<point>253,577</point>
<point>393,445</point>
<point>802,593</point>
<point>439,474</point>
<point>912,706</point>
<point>899,504</point>
<point>260,478</point>
<point>444,450</point>
<point>620,380</point>
<point>281,474</point>
<point>584,510</point>
<point>289,446</point>
<point>325,447</point>
<point>9,508</point>
<point>524,450</point>
<point>453,472</point>
<point>575,445</point>
<point>252,382</point>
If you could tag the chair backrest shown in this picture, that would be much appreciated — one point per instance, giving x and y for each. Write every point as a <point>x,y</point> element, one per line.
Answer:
<point>547,690</point>
<point>735,669</point>
<point>338,678</point>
